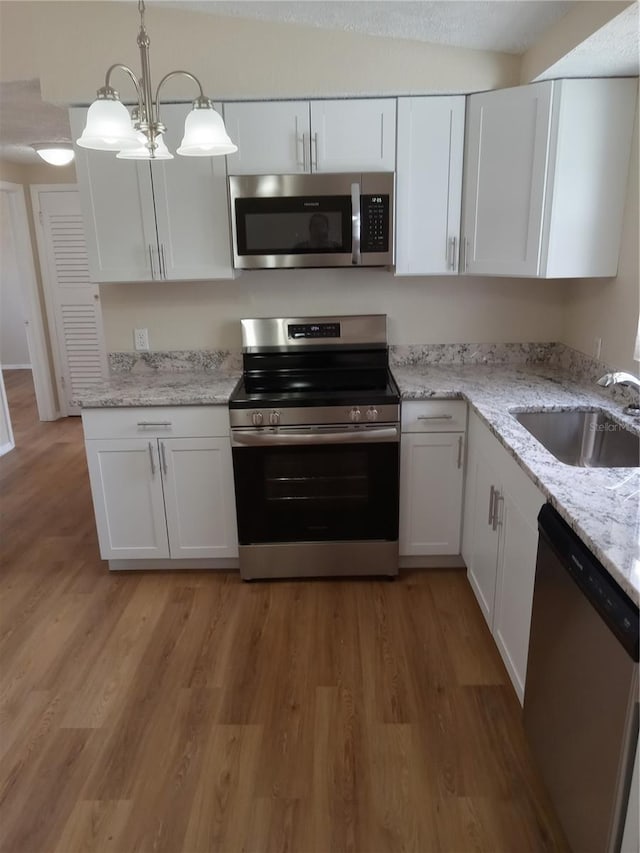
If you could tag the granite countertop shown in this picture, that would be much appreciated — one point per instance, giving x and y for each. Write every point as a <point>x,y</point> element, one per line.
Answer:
<point>162,388</point>
<point>602,505</point>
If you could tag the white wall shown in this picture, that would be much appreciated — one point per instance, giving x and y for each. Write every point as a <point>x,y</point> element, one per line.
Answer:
<point>421,310</point>
<point>73,43</point>
<point>609,308</point>
<point>14,350</point>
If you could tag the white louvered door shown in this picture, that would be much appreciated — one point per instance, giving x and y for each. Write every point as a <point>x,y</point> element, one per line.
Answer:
<point>72,300</point>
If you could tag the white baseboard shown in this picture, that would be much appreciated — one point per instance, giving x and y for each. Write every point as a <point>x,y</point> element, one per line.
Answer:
<point>5,448</point>
<point>16,367</point>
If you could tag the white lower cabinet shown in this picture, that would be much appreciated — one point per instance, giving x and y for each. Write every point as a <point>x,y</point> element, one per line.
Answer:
<point>126,485</point>
<point>198,497</point>
<point>431,477</point>
<point>499,545</point>
<point>157,495</point>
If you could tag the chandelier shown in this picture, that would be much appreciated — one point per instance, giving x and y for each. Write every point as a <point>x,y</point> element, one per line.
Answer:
<point>139,135</point>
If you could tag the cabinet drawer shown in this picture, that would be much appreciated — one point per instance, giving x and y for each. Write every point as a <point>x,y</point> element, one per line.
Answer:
<point>160,421</point>
<point>434,416</point>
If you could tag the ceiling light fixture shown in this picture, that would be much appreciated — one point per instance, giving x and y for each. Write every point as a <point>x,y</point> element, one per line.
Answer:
<point>109,126</point>
<point>55,153</point>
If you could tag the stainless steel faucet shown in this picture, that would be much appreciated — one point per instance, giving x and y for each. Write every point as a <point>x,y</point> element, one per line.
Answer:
<point>622,378</point>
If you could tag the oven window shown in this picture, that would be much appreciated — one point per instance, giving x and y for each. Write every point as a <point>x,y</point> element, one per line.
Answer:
<point>331,493</point>
<point>293,226</point>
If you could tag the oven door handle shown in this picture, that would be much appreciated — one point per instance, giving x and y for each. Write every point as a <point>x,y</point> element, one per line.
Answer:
<point>260,438</point>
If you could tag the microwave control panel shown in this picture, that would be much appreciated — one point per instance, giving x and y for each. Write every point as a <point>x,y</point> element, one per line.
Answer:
<point>374,224</point>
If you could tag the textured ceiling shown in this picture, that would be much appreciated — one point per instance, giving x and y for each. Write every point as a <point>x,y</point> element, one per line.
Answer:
<point>26,119</point>
<point>612,51</point>
<point>510,27</point>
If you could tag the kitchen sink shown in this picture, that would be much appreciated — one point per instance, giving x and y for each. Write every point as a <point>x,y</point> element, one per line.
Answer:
<point>589,439</point>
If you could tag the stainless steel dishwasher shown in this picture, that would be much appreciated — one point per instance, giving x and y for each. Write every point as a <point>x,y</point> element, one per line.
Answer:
<point>581,693</point>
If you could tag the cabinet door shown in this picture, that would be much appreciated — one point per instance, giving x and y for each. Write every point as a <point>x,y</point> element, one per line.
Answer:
<point>353,135</point>
<point>199,497</point>
<point>126,486</point>
<point>481,541</point>
<point>272,137</point>
<point>118,212</point>
<point>192,211</point>
<point>505,178</point>
<point>429,185</point>
<point>517,511</point>
<point>431,493</point>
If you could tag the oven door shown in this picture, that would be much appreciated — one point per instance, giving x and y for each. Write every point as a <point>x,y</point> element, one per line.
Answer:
<point>316,485</point>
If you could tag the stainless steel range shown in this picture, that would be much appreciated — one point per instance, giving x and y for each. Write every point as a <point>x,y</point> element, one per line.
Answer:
<point>315,435</point>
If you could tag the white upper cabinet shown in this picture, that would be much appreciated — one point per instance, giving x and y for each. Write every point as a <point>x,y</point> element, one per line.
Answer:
<point>145,221</point>
<point>291,137</point>
<point>191,208</point>
<point>545,178</point>
<point>353,135</point>
<point>117,208</point>
<point>429,184</point>
<point>272,137</point>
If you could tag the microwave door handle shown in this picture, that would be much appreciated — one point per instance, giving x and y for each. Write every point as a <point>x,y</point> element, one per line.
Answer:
<point>356,257</point>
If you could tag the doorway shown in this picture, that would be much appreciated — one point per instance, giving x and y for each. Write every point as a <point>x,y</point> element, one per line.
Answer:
<point>23,344</point>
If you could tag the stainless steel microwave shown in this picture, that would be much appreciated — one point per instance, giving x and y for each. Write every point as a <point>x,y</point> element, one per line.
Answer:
<point>292,221</point>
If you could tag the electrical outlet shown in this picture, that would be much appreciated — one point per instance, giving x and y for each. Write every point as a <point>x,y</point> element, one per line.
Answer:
<point>597,348</point>
<point>141,340</point>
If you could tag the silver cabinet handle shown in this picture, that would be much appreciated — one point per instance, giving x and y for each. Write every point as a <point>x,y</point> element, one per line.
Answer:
<point>464,261</point>
<point>153,467</point>
<point>496,518</point>
<point>163,263</point>
<point>143,424</point>
<point>356,257</point>
<point>434,417</point>
<point>153,271</point>
<point>163,457</point>
<point>459,451</point>
<point>304,151</point>
<point>492,493</point>
<point>453,244</point>
<point>315,145</point>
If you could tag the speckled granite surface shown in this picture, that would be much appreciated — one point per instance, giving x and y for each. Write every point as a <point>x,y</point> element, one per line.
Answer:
<point>162,388</point>
<point>602,505</point>
<point>121,363</point>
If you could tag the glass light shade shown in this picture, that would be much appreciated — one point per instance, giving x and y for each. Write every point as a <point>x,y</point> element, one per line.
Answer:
<point>55,153</point>
<point>205,135</point>
<point>143,153</point>
<point>108,127</point>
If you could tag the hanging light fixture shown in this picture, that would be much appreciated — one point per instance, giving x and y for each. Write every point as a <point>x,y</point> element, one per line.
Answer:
<point>110,127</point>
<point>55,153</point>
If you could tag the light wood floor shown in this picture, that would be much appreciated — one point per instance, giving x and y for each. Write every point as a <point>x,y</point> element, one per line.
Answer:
<point>188,712</point>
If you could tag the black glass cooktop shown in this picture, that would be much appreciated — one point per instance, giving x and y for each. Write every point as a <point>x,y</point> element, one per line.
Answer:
<point>315,378</point>
<point>314,395</point>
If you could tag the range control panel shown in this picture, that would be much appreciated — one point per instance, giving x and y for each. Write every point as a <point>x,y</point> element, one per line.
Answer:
<point>297,331</point>
<point>374,223</point>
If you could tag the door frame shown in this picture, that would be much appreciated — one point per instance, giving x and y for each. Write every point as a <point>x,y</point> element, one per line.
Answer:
<point>35,318</point>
